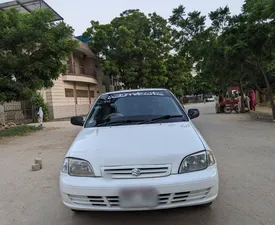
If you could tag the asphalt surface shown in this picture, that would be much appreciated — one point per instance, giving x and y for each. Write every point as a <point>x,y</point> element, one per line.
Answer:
<point>245,151</point>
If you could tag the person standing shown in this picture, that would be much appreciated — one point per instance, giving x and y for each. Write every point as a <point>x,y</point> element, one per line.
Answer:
<point>253,100</point>
<point>221,98</point>
<point>239,99</point>
<point>247,101</point>
<point>217,103</point>
<point>40,116</point>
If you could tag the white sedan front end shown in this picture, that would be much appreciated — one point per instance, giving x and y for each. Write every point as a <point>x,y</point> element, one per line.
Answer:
<point>138,162</point>
<point>197,188</point>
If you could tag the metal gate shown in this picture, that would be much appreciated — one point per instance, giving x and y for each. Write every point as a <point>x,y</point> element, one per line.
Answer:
<point>29,111</point>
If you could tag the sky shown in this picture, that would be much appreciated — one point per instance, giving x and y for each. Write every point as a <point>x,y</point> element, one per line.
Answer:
<point>79,13</point>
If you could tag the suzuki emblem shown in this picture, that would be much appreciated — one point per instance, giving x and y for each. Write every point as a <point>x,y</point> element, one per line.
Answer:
<point>136,172</point>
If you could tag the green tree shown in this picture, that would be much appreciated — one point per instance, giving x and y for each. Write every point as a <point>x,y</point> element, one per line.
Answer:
<point>197,44</point>
<point>137,48</point>
<point>178,75</point>
<point>260,31</point>
<point>249,45</point>
<point>189,30</point>
<point>32,50</point>
<point>234,50</point>
<point>202,86</point>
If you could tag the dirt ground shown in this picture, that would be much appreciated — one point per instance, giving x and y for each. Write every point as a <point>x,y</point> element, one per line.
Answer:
<point>245,151</point>
<point>24,192</point>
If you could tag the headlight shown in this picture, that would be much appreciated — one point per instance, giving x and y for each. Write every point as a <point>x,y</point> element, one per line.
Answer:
<point>210,158</point>
<point>197,161</point>
<point>77,167</point>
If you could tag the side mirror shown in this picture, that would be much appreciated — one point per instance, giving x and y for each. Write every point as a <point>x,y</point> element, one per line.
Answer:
<point>77,120</point>
<point>193,113</point>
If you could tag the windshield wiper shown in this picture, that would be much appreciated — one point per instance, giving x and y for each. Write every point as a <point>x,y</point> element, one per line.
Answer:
<point>166,117</point>
<point>117,122</point>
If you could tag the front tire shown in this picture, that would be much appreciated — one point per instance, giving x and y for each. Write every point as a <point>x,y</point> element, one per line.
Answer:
<point>228,109</point>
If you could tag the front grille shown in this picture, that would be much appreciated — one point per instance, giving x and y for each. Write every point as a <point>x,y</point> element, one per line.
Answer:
<point>174,198</point>
<point>189,196</point>
<point>99,201</point>
<point>130,172</point>
<point>164,199</point>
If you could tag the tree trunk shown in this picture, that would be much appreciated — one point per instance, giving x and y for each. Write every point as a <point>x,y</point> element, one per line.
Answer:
<point>259,88</point>
<point>269,93</point>
<point>242,110</point>
<point>2,113</point>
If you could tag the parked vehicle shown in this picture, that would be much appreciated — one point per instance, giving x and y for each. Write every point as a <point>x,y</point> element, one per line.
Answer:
<point>210,98</point>
<point>229,106</point>
<point>138,150</point>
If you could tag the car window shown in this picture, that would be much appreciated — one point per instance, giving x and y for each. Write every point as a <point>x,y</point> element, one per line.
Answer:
<point>135,106</point>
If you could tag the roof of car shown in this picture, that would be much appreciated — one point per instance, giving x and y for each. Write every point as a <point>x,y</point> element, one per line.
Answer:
<point>136,90</point>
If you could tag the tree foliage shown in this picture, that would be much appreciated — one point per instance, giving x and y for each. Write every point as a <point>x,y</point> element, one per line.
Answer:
<point>234,50</point>
<point>137,48</point>
<point>149,51</point>
<point>32,50</point>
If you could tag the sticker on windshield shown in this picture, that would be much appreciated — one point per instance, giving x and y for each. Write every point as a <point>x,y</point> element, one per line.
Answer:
<point>140,93</point>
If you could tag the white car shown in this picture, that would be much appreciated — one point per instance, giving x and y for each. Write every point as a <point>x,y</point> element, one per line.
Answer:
<point>210,98</point>
<point>138,150</point>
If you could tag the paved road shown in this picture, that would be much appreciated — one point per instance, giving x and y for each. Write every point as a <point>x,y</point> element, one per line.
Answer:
<point>245,151</point>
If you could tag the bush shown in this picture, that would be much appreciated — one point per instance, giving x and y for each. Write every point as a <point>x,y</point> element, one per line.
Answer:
<point>38,101</point>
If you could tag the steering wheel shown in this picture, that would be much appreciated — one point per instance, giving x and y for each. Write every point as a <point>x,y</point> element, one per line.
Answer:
<point>113,115</point>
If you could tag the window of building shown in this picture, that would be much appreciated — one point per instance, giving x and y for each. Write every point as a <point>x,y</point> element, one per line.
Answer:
<point>82,93</point>
<point>92,94</point>
<point>69,92</point>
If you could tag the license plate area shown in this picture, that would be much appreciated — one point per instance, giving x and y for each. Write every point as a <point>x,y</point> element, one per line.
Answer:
<point>138,198</point>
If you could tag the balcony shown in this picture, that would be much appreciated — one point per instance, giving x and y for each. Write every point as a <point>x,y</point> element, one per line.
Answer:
<point>80,74</point>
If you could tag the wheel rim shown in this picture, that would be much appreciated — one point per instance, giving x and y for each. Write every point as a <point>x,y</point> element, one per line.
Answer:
<point>227,109</point>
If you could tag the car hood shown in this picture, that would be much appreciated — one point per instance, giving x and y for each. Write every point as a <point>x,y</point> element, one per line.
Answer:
<point>147,144</point>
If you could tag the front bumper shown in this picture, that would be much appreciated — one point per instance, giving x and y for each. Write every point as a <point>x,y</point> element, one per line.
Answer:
<point>197,188</point>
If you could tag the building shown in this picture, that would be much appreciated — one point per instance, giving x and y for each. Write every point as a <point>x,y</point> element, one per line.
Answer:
<point>75,90</point>
<point>28,6</point>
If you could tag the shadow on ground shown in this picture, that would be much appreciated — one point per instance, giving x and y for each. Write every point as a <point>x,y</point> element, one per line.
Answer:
<point>196,214</point>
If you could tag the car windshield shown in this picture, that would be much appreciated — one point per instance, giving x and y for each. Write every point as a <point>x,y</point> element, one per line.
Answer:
<point>135,107</point>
